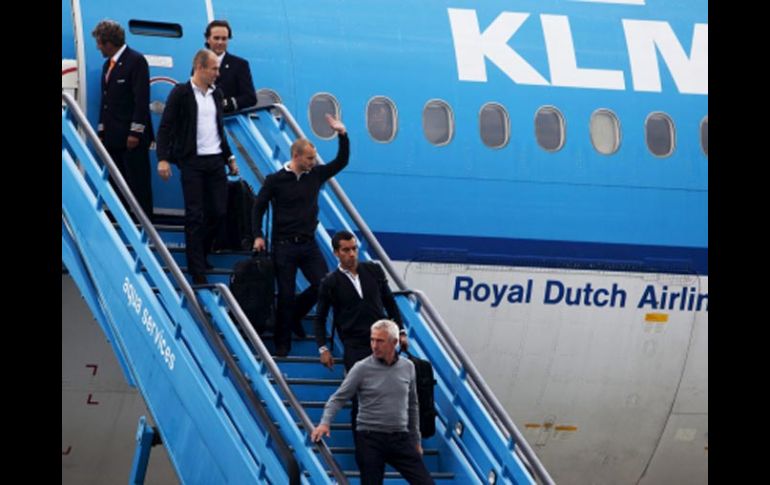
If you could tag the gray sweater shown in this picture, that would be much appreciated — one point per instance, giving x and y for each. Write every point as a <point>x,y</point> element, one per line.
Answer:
<point>387,397</point>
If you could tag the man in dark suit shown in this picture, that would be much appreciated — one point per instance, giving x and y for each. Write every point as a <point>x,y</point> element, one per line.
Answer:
<point>191,135</point>
<point>359,295</point>
<point>234,73</point>
<point>125,127</point>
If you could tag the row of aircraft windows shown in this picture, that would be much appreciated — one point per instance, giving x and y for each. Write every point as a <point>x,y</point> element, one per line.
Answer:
<point>494,125</point>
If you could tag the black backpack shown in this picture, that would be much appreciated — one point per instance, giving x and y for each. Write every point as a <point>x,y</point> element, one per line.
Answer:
<point>253,285</point>
<point>239,224</point>
<point>425,384</point>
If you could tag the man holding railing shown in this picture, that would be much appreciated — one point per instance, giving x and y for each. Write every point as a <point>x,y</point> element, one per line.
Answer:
<point>388,423</point>
<point>293,192</point>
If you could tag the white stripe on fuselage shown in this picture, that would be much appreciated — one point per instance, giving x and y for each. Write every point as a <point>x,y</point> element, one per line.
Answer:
<point>619,2</point>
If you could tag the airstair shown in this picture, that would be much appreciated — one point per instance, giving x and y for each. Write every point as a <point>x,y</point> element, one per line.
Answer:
<point>226,410</point>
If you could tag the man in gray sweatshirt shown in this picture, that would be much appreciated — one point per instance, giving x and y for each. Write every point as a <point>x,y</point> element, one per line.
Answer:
<point>388,422</point>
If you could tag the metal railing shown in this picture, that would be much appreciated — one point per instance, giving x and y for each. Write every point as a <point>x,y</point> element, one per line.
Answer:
<point>272,367</point>
<point>197,312</point>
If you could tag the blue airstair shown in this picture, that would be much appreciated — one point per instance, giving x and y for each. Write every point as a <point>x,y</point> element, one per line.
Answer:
<point>226,410</point>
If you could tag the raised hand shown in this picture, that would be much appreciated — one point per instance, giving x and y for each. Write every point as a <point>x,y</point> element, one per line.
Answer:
<point>335,124</point>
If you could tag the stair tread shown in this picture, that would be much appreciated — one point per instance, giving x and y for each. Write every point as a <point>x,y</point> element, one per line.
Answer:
<point>352,449</point>
<point>334,426</point>
<point>313,381</point>
<point>298,358</point>
<point>311,404</point>
<point>356,473</point>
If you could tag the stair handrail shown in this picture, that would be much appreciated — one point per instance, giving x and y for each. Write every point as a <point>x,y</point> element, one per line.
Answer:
<point>199,316</point>
<point>273,368</point>
<point>439,327</point>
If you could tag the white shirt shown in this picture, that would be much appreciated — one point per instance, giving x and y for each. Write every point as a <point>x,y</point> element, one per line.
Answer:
<point>353,279</point>
<point>287,167</point>
<point>117,54</point>
<point>208,141</point>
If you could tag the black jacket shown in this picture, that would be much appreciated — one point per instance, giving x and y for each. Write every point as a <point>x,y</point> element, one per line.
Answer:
<point>125,101</point>
<point>295,202</point>
<point>177,134</point>
<point>235,82</point>
<point>353,315</point>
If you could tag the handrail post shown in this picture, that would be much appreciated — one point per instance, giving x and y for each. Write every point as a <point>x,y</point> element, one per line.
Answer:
<point>280,380</point>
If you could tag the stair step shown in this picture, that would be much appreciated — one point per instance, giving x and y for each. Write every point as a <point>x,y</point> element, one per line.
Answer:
<point>333,426</point>
<point>297,359</point>
<point>310,404</point>
<point>311,382</point>
<point>351,449</point>
<point>318,404</point>
<point>392,475</point>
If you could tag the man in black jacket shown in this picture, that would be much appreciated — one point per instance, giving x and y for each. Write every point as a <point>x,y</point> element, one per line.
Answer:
<point>191,135</point>
<point>234,73</point>
<point>125,127</point>
<point>293,192</point>
<point>359,295</point>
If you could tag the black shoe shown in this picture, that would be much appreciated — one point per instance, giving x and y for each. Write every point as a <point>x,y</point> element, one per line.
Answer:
<point>298,330</point>
<point>281,351</point>
<point>199,279</point>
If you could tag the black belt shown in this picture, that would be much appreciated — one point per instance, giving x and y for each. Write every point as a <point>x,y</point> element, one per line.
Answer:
<point>293,240</point>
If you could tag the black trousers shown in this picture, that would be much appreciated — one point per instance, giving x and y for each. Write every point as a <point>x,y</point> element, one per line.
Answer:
<point>134,165</point>
<point>374,449</point>
<point>355,350</point>
<point>204,187</point>
<point>289,257</point>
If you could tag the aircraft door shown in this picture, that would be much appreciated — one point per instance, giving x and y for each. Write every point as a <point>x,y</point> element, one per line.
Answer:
<point>168,34</point>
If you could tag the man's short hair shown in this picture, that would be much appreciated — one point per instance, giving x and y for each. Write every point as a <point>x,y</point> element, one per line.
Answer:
<point>299,146</point>
<point>109,31</point>
<point>387,325</point>
<point>341,236</point>
<point>218,23</point>
<point>201,58</point>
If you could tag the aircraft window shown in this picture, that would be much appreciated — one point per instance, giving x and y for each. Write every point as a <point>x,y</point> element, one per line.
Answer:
<point>659,132</point>
<point>704,135</point>
<point>320,105</point>
<point>494,125</point>
<point>437,122</point>
<point>266,97</point>
<point>155,29</point>
<point>605,131</point>
<point>549,128</point>
<point>381,119</point>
